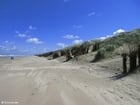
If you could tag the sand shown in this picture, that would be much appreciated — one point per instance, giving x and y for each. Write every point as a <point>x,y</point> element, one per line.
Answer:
<point>38,81</point>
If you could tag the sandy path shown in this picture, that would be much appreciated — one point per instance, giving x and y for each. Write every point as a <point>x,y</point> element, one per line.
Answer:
<point>37,81</point>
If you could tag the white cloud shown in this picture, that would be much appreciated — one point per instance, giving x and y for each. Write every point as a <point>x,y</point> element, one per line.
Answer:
<point>6,41</point>
<point>77,26</point>
<point>114,33</point>
<point>62,45</point>
<point>34,41</point>
<point>22,35</point>
<point>29,39</point>
<point>31,27</point>
<point>105,37</point>
<point>71,36</point>
<point>91,14</point>
<point>25,34</point>
<point>118,31</point>
<point>78,41</point>
<point>8,46</point>
<point>17,32</point>
<point>102,38</point>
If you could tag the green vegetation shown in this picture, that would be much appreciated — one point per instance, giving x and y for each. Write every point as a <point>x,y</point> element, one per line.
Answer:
<point>100,54</point>
<point>105,48</point>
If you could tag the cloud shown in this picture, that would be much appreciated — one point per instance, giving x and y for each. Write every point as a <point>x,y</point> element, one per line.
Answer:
<point>77,26</point>
<point>105,37</point>
<point>78,41</point>
<point>22,35</point>
<point>62,45</point>
<point>6,41</point>
<point>91,14</point>
<point>118,31</point>
<point>34,41</point>
<point>29,39</point>
<point>31,27</point>
<point>25,34</point>
<point>71,36</point>
<point>8,46</point>
<point>66,0</point>
<point>8,49</point>
<point>114,33</point>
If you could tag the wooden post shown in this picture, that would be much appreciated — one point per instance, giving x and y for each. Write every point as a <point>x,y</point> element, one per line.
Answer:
<point>124,63</point>
<point>139,54</point>
<point>133,61</point>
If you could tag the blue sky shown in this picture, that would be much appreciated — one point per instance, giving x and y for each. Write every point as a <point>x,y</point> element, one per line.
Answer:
<point>34,26</point>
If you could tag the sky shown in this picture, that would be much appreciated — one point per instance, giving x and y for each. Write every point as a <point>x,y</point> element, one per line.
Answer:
<point>37,26</point>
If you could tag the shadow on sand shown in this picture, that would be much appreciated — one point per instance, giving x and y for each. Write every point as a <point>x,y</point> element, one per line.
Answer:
<point>119,76</point>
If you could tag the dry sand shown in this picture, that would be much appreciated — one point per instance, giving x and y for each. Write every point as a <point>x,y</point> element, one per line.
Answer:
<point>38,81</point>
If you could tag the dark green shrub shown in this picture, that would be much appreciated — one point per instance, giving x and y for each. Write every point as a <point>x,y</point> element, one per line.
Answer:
<point>55,55</point>
<point>68,55</point>
<point>110,47</point>
<point>100,55</point>
<point>45,54</point>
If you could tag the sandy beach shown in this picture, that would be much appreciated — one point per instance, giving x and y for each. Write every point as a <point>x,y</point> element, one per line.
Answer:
<point>38,81</point>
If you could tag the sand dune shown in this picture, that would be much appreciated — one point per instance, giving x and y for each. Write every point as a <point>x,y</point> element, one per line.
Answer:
<point>37,81</point>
